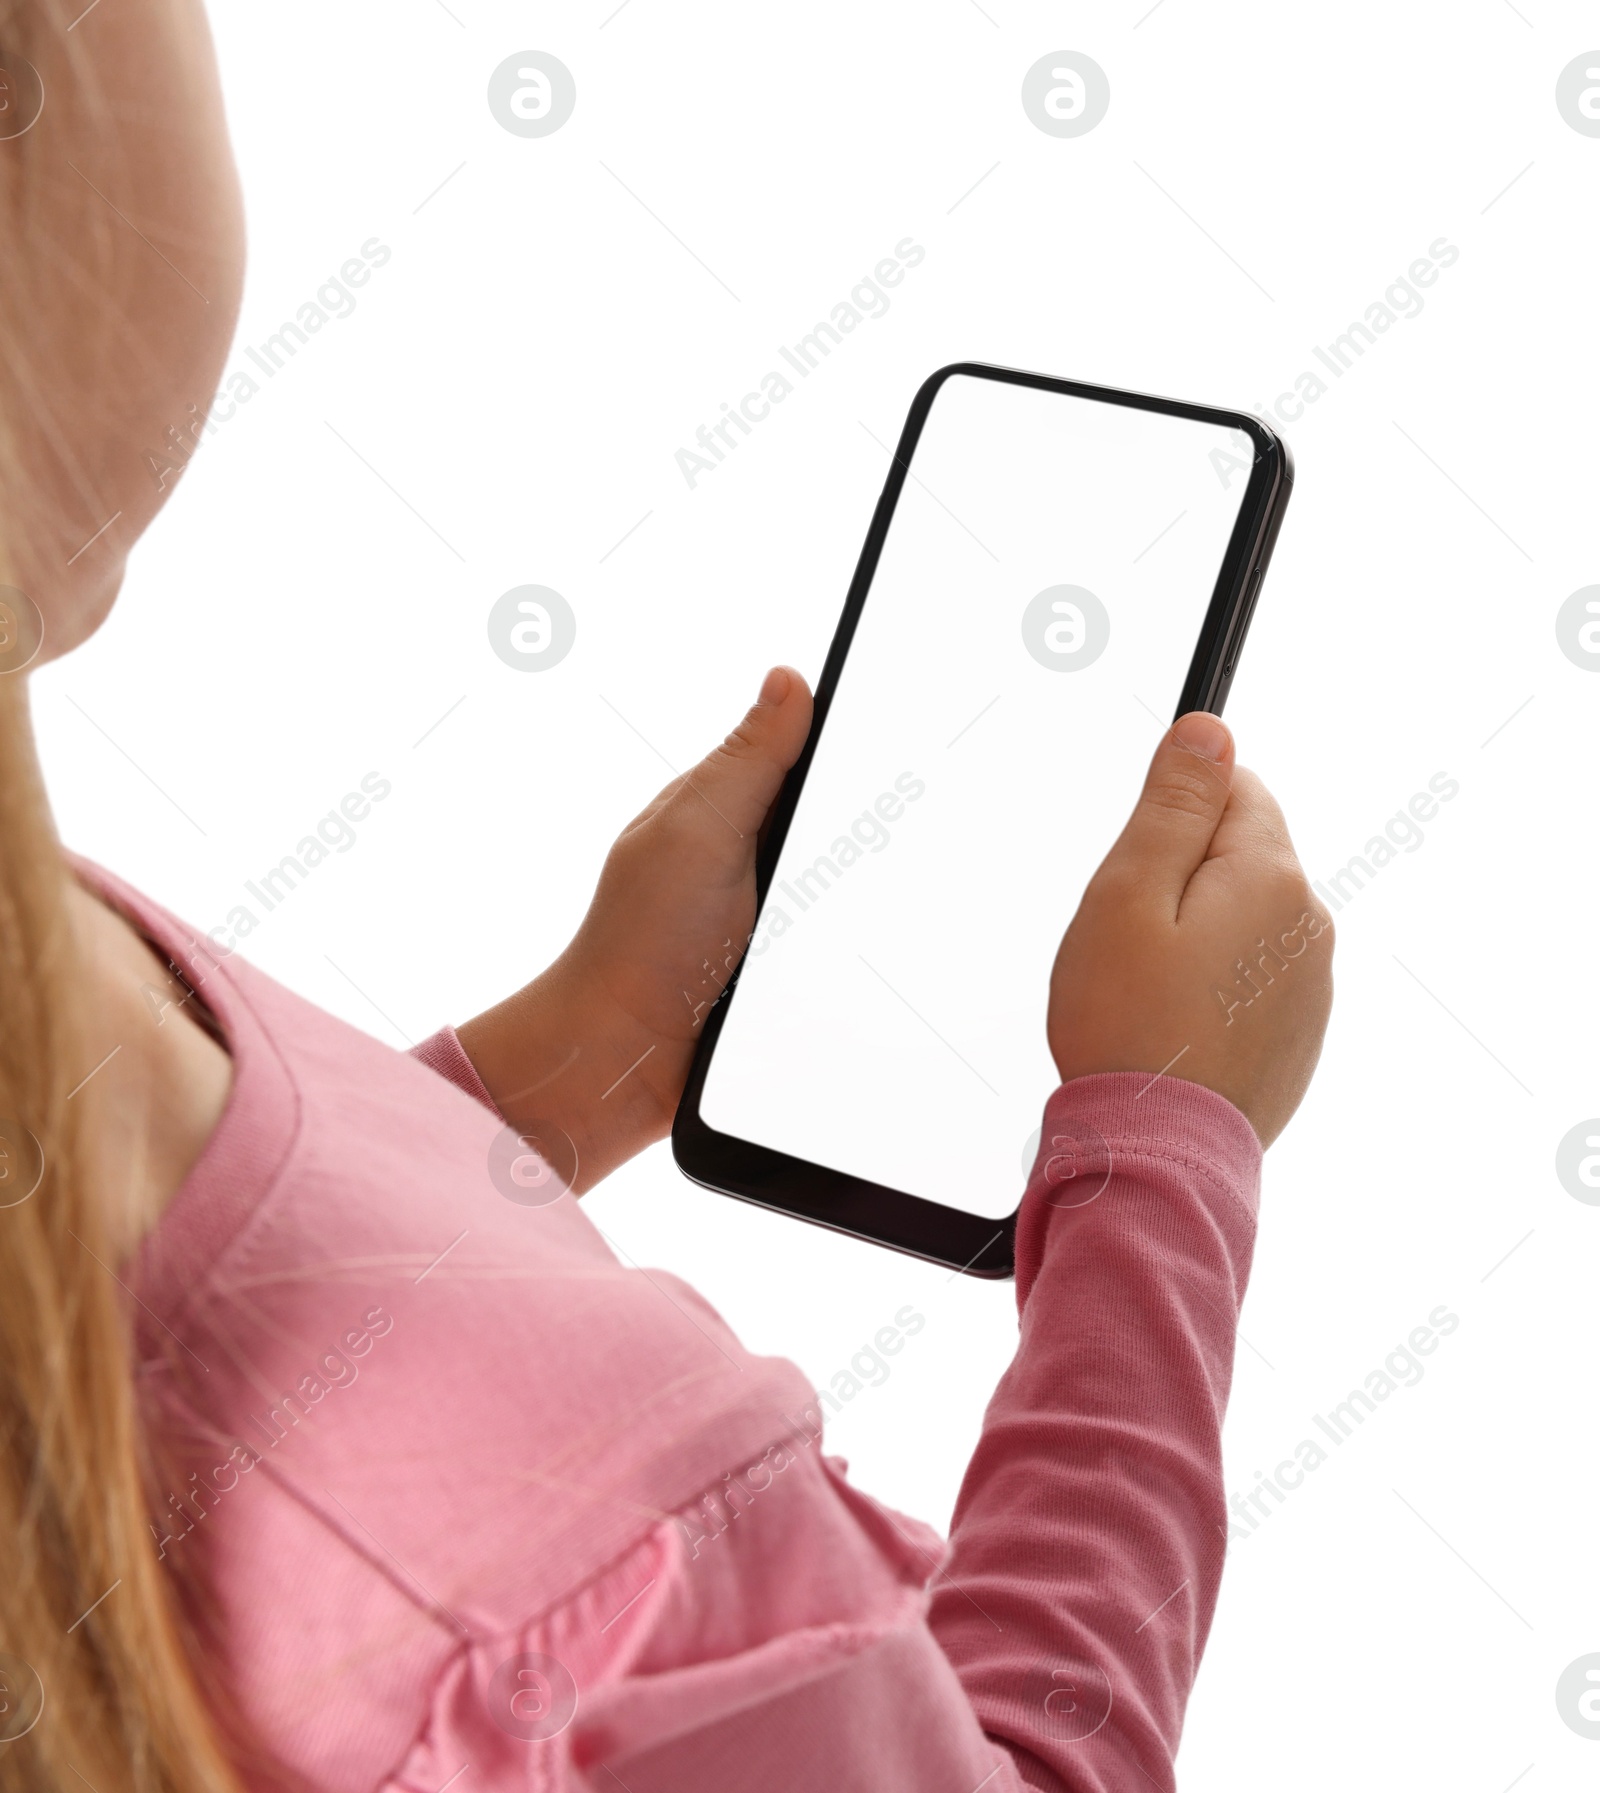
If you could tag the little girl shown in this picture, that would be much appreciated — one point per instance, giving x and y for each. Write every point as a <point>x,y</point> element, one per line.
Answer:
<point>328,1466</point>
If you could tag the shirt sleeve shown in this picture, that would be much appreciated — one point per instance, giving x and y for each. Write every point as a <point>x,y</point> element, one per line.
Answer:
<point>443,1052</point>
<point>787,1631</point>
<point>1089,1535</point>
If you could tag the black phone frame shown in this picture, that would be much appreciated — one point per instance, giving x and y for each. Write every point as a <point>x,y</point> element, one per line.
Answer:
<point>848,1204</point>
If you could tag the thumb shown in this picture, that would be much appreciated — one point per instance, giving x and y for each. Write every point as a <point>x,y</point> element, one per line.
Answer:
<point>1170,832</point>
<point>741,777</point>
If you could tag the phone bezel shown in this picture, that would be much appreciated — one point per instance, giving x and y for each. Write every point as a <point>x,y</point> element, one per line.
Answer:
<point>854,1205</point>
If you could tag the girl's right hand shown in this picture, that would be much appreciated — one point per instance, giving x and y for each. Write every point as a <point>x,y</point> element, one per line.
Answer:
<point>1199,948</point>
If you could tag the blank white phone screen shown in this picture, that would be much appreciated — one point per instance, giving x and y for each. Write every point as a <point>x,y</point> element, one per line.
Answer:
<point>1023,645</point>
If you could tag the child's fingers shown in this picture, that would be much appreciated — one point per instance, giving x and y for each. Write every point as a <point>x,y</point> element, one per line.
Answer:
<point>740,778</point>
<point>775,728</point>
<point>1252,824</point>
<point>1252,857</point>
<point>1185,796</point>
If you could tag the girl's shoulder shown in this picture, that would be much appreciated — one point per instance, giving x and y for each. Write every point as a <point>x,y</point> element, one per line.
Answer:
<point>401,1387</point>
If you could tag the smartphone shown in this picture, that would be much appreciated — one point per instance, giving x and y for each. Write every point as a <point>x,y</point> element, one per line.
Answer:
<point>1053,573</point>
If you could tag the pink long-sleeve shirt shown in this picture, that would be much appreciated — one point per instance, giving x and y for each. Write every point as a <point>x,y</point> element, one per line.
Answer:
<point>478,1506</point>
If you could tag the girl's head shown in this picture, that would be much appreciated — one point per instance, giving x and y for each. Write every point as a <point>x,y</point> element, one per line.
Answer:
<point>120,264</point>
<point>119,284</point>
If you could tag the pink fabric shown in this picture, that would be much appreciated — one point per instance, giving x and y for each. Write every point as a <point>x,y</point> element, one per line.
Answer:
<point>422,1428</point>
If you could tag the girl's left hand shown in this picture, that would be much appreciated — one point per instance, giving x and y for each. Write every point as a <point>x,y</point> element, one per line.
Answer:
<point>598,1047</point>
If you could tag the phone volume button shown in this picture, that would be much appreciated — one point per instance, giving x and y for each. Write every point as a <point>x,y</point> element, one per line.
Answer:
<point>1247,609</point>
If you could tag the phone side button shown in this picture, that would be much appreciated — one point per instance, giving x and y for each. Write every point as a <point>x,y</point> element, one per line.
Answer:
<point>1254,593</point>
<point>1246,611</point>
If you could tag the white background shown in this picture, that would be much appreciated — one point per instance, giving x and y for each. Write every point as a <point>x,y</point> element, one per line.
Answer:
<point>523,372</point>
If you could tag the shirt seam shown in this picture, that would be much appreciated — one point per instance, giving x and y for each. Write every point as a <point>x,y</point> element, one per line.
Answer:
<point>203,1288</point>
<point>1141,1146</point>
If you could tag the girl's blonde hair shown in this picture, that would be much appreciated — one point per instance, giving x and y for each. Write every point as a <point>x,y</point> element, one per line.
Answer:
<point>86,1605</point>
